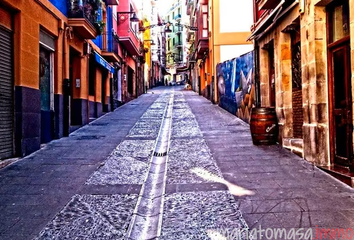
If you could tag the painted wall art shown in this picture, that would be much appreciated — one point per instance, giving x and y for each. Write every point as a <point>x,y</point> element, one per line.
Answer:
<point>236,90</point>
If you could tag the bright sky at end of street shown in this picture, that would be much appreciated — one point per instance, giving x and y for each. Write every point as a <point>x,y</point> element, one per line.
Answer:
<point>163,5</point>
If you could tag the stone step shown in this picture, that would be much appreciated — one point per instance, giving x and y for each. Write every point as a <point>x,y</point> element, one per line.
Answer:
<point>295,145</point>
<point>341,173</point>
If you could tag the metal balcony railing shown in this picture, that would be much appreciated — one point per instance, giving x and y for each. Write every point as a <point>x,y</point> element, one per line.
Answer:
<point>87,9</point>
<point>111,46</point>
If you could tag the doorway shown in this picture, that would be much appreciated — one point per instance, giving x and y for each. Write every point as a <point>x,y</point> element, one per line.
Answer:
<point>6,93</point>
<point>296,73</point>
<point>75,104</point>
<point>341,105</point>
<point>103,91</point>
<point>47,98</point>
<point>341,125</point>
<point>130,82</point>
<point>271,70</point>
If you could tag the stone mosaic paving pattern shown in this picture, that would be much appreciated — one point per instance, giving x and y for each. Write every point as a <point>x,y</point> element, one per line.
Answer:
<point>188,149</point>
<point>186,215</point>
<point>138,149</point>
<point>149,124</point>
<point>200,215</point>
<point>184,124</point>
<point>119,170</point>
<point>129,162</point>
<point>108,217</point>
<point>90,217</point>
<point>146,128</point>
<point>186,155</point>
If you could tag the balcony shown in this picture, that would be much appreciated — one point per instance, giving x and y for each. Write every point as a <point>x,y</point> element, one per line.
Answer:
<point>129,41</point>
<point>110,51</point>
<point>267,4</point>
<point>111,2</point>
<point>82,18</point>
<point>202,47</point>
<point>128,32</point>
<point>192,56</point>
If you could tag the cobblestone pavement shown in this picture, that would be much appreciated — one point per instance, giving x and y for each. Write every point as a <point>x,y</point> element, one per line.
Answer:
<point>169,165</point>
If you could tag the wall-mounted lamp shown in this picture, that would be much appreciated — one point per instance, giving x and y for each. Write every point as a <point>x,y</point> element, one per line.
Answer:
<point>302,6</point>
<point>122,16</point>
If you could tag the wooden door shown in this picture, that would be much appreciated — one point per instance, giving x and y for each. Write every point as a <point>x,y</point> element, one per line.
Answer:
<point>271,74</point>
<point>342,105</point>
<point>341,120</point>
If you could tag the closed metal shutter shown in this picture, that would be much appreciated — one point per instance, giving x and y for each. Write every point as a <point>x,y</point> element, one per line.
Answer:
<point>6,95</point>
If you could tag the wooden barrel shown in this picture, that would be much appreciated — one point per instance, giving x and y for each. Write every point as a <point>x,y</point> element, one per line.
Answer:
<point>264,126</point>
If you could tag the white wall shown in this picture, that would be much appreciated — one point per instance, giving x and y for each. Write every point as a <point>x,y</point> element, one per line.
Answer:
<point>236,15</point>
<point>228,52</point>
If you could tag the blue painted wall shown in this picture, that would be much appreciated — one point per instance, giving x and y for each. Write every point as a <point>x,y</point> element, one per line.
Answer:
<point>235,85</point>
<point>109,29</point>
<point>61,5</point>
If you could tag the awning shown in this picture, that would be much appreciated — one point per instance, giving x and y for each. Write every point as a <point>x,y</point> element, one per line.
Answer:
<point>103,63</point>
<point>271,16</point>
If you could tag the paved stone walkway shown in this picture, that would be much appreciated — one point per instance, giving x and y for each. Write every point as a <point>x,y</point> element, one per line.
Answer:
<point>289,191</point>
<point>214,181</point>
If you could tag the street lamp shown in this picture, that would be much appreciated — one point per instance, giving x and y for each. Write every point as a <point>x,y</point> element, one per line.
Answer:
<point>167,27</point>
<point>122,16</point>
<point>150,40</point>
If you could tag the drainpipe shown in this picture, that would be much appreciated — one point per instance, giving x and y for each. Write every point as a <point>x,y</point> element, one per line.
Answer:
<point>256,75</point>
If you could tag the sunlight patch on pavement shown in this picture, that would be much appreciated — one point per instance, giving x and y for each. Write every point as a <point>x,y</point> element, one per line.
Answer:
<point>233,189</point>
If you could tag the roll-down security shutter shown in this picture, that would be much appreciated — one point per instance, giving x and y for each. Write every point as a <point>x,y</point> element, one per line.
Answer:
<point>6,95</point>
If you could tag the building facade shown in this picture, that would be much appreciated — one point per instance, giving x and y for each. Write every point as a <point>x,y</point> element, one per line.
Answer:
<point>62,66</point>
<point>305,65</point>
<point>221,34</point>
<point>176,42</point>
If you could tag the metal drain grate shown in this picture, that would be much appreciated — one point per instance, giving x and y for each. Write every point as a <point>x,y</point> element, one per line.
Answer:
<point>98,124</point>
<point>156,154</point>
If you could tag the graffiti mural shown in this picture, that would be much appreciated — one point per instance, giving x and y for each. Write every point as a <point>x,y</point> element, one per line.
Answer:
<point>235,85</point>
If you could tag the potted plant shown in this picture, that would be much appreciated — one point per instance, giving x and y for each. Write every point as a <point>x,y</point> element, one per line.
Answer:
<point>95,4</point>
<point>99,25</point>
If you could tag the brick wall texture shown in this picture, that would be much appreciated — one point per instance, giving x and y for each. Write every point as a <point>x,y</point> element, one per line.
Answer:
<point>297,113</point>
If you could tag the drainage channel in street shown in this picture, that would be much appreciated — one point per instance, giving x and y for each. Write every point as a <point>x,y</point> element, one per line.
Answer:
<point>147,217</point>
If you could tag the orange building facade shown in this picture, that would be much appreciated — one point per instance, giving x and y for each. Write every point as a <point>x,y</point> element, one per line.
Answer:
<point>54,76</point>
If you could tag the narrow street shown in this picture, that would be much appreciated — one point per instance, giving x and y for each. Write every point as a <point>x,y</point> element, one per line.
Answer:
<point>167,165</point>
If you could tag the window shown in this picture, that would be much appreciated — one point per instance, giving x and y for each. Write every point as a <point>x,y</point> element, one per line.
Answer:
<point>296,58</point>
<point>339,22</point>
<point>205,21</point>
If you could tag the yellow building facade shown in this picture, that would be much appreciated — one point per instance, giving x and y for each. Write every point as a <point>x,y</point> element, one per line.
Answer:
<point>223,28</point>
